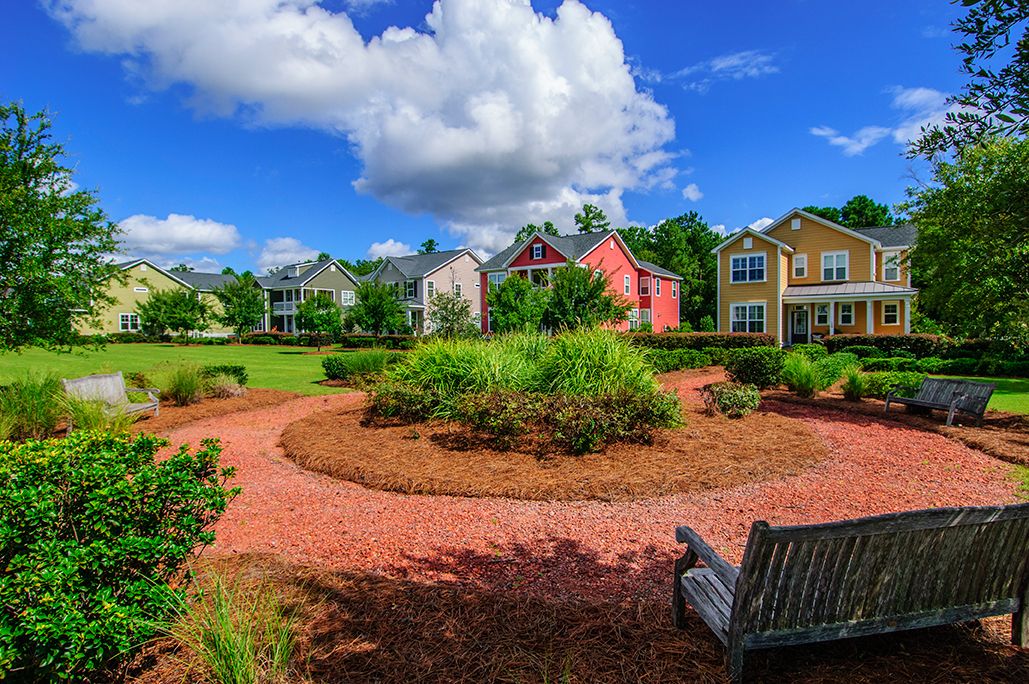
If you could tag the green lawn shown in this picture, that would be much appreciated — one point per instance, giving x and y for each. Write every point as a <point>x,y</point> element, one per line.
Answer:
<point>1012,394</point>
<point>286,368</point>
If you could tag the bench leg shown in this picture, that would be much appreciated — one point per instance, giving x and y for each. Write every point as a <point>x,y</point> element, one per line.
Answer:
<point>886,409</point>
<point>950,416</point>
<point>1020,625</point>
<point>688,560</point>
<point>734,663</point>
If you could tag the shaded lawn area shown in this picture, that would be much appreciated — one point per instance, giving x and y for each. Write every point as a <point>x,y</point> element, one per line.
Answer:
<point>274,367</point>
<point>1012,394</point>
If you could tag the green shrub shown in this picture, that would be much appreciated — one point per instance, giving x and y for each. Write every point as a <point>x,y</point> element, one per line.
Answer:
<point>717,355</point>
<point>86,414</point>
<point>699,340</point>
<point>586,424</point>
<point>854,384</point>
<point>706,324</point>
<point>667,360</point>
<point>901,354</point>
<point>236,371</point>
<point>32,406</point>
<point>347,365</point>
<point>890,364</point>
<point>223,387</point>
<point>812,351</point>
<point>94,528</point>
<point>758,366</point>
<point>830,369</point>
<point>731,399</point>
<point>919,344</point>
<point>865,352</point>
<point>7,423</point>
<point>593,362</point>
<point>240,634</point>
<point>959,367</point>
<point>879,383</point>
<point>1014,369</point>
<point>405,402</point>
<point>931,365</point>
<point>184,385</point>
<point>801,376</point>
<point>502,414</point>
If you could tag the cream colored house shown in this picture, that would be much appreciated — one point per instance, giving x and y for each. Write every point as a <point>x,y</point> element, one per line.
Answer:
<point>803,277</point>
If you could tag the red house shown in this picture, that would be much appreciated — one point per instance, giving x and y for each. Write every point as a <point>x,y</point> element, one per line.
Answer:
<point>652,290</point>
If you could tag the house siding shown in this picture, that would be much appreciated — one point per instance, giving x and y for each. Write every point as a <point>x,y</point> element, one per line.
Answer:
<point>767,292</point>
<point>615,263</point>
<point>460,270</point>
<point>525,259</point>
<point>813,239</point>
<point>330,279</point>
<point>880,273</point>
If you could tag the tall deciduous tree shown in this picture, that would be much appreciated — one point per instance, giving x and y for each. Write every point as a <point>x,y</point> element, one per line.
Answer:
<point>972,254</point>
<point>860,211</point>
<point>581,298</point>
<point>360,266</point>
<point>516,306</point>
<point>591,219</point>
<point>54,240</point>
<point>377,309</point>
<point>529,229</point>
<point>319,315</point>
<point>995,100</point>
<point>182,311</point>
<point>242,304</point>
<point>451,316</point>
<point>430,246</point>
<point>830,213</point>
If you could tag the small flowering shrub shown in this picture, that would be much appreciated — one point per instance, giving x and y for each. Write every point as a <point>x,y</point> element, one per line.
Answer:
<point>92,531</point>
<point>731,399</point>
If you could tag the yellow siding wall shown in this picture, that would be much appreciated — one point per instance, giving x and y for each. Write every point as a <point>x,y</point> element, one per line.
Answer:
<point>879,258</point>
<point>126,298</point>
<point>814,238</point>
<point>736,293</point>
<point>889,329</point>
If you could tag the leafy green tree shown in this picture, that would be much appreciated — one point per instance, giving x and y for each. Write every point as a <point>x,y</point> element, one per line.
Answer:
<point>323,256</point>
<point>516,306</point>
<point>182,311</point>
<point>450,315</point>
<point>591,219</point>
<point>430,246</point>
<point>319,315</point>
<point>229,270</point>
<point>971,258</point>
<point>995,100</point>
<point>377,309</point>
<point>580,298</point>
<point>181,268</point>
<point>860,211</point>
<point>830,213</point>
<point>530,229</point>
<point>242,304</point>
<point>361,266</point>
<point>54,240</point>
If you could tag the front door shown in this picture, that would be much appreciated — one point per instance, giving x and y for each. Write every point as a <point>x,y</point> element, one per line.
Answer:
<point>799,327</point>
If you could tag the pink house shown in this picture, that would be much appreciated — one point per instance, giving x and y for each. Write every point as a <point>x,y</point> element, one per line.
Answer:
<point>652,290</point>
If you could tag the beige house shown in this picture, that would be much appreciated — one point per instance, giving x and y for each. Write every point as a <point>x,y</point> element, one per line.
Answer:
<point>803,277</point>
<point>418,277</point>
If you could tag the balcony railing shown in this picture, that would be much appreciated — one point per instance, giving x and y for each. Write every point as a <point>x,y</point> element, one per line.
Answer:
<point>280,308</point>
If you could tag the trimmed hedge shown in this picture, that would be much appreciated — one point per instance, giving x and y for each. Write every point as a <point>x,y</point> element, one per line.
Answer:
<point>667,360</point>
<point>758,366</point>
<point>919,344</point>
<point>890,364</point>
<point>812,351</point>
<point>700,340</point>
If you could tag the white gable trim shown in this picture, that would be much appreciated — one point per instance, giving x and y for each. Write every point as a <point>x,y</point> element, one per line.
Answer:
<point>750,231</point>
<point>455,258</point>
<point>625,248</point>
<point>823,221</point>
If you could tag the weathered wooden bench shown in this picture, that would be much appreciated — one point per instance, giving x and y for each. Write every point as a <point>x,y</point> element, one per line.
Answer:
<point>811,583</point>
<point>948,395</point>
<point>110,389</point>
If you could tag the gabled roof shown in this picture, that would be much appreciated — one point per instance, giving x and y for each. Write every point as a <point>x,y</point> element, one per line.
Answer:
<point>753,233</point>
<point>125,265</point>
<point>572,247</point>
<point>817,219</point>
<point>206,282</point>
<point>282,277</point>
<point>903,235</point>
<point>657,270</point>
<point>420,265</point>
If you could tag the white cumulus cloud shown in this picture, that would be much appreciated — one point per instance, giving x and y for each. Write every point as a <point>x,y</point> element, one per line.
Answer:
<point>282,251</point>
<point>176,234</point>
<point>390,247</point>
<point>488,115</point>
<point>761,223</point>
<point>692,192</point>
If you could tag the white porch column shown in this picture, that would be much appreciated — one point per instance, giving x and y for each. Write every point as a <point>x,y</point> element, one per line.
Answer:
<point>906,305</point>
<point>869,318</point>
<point>832,318</point>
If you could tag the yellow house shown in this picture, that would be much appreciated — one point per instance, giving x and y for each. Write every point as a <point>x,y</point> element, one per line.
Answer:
<point>803,277</point>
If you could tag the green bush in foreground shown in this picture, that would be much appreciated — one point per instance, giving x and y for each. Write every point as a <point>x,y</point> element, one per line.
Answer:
<point>92,529</point>
<point>811,351</point>
<point>801,376</point>
<point>758,366</point>
<point>731,399</point>
<point>585,424</point>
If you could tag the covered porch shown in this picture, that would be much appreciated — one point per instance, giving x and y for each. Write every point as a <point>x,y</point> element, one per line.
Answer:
<point>810,312</point>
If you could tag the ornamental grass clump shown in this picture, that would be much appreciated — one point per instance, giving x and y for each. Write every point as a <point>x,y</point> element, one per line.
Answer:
<point>31,406</point>
<point>92,414</point>
<point>854,384</point>
<point>355,364</point>
<point>593,362</point>
<point>800,375</point>
<point>184,385</point>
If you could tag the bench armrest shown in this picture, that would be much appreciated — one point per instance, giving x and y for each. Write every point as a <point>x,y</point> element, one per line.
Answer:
<point>144,390</point>
<point>723,568</point>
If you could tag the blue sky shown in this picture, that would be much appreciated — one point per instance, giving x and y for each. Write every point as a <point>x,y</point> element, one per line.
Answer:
<point>252,132</point>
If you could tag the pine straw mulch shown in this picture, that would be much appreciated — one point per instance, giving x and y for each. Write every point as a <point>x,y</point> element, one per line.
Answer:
<point>361,627</point>
<point>1002,435</point>
<point>172,416</point>
<point>442,458</point>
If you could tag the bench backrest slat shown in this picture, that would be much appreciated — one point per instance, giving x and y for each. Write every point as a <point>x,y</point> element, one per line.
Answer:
<point>942,391</point>
<point>882,567</point>
<point>109,388</point>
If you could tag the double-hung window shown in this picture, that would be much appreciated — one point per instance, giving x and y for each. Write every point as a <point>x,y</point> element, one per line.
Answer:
<point>458,289</point>
<point>496,278</point>
<point>846,314</point>
<point>821,314</point>
<point>675,289</point>
<point>128,322</point>
<point>347,297</point>
<point>657,287</point>
<point>891,313</point>
<point>800,265</point>
<point>891,266</point>
<point>748,318</point>
<point>538,251</point>
<point>627,284</point>
<point>634,319</point>
<point>645,286</point>
<point>834,265</point>
<point>430,289</point>
<point>747,268</point>
<point>409,288</point>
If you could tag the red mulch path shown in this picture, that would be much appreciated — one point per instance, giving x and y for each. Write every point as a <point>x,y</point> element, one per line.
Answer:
<point>588,550</point>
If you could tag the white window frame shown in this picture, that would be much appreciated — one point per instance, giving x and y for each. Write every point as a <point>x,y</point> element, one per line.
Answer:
<point>410,288</point>
<point>125,322</point>
<point>430,289</point>
<point>634,319</point>
<point>141,289</point>
<point>748,268</point>
<point>888,258</point>
<point>882,307</point>
<point>749,322</point>
<point>347,298</point>
<point>537,251</point>
<point>820,311</point>
<point>495,279</point>
<point>627,284</point>
<point>836,266</point>
<point>332,293</point>
<point>645,316</point>
<point>675,289</point>
<point>459,289</point>
<point>657,286</point>
<point>844,306</point>
<point>748,243</point>
<point>645,286</point>
<point>800,265</point>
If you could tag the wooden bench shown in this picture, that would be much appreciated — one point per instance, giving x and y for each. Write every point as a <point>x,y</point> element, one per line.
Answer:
<point>811,583</point>
<point>948,395</point>
<point>110,389</point>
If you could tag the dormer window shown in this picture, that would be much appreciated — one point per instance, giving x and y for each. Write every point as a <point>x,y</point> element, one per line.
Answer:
<point>539,251</point>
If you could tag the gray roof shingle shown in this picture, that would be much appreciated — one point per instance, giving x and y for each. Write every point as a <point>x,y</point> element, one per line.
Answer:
<point>284,278</point>
<point>572,246</point>
<point>205,281</point>
<point>419,265</point>
<point>657,270</point>
<point>903,235</point>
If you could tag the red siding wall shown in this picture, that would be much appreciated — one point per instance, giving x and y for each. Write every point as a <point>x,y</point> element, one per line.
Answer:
<point>525,258</point>
<point>615,264</point>
<point>666,307</point>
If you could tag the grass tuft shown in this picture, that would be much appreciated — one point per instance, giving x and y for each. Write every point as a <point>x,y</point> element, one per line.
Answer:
<point>31,406</point>
<point>93,414</point>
